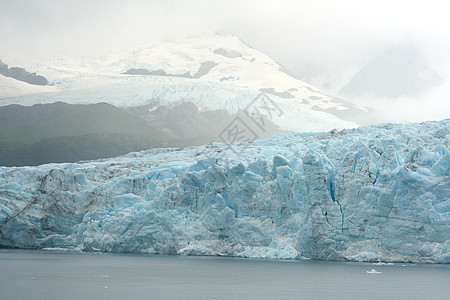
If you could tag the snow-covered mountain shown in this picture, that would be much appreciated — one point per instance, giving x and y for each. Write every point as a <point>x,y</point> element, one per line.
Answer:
<point>377,193</point>
<point>401,70</point>
<point>213,72</point>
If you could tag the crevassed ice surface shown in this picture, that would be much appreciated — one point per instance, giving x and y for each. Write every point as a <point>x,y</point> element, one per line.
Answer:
<point>373,193</point>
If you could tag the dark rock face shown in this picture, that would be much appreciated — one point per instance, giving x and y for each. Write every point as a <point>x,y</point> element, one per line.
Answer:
<point>204,69</point>
<point>141,71</point>
<point>22,75</point>
<point>3,67</point>
<point>227,53</point>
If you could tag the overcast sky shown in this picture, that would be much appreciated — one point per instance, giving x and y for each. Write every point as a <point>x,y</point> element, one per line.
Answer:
<point>326,33</point>
<point>307,37</point>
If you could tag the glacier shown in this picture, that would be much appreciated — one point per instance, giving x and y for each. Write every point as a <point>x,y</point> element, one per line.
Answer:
<point>376,193</point>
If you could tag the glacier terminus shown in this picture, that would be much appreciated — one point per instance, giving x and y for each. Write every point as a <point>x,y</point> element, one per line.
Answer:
<point>375,193</point>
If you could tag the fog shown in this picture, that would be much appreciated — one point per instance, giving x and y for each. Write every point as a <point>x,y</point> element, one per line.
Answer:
<point>312,39</point>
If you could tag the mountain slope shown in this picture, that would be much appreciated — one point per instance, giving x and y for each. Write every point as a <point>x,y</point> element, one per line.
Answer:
<point>61,132</point>
<point>29,124</point>
<point>185,121</point>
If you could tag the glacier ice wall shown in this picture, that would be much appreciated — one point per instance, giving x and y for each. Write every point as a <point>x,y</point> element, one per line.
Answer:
<point>373,193</point>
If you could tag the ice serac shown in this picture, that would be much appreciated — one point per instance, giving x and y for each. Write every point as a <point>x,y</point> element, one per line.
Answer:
<point>378,193</point>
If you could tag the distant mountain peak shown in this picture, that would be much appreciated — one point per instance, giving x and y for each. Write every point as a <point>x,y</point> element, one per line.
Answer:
<point>400,70</point>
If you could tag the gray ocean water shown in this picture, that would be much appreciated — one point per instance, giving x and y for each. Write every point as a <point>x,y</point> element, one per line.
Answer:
<point>54,275</point>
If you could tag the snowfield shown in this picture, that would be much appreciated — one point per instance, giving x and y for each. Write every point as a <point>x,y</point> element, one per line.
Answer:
<point>377,193</point>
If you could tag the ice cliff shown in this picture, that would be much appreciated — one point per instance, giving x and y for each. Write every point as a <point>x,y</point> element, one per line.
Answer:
<point>373,193</point>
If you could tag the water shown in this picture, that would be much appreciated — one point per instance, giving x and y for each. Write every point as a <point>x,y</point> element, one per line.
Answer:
<point>50,275</point>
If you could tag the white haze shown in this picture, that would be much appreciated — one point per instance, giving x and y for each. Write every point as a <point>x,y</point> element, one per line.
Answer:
<point>310,38</point>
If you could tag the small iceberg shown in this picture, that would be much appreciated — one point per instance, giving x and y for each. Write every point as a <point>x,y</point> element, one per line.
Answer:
<point>373,271</point>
